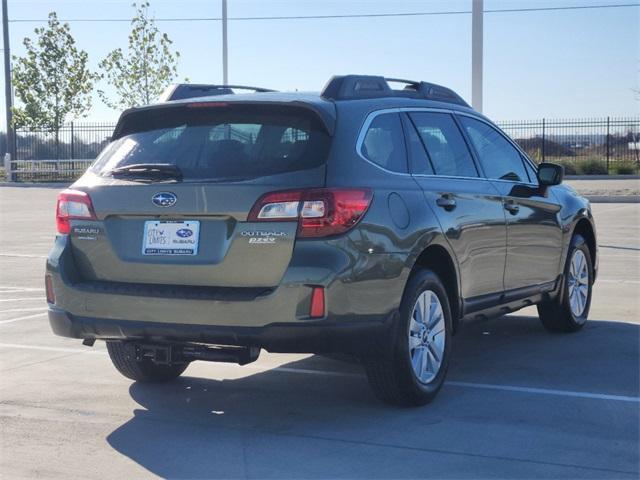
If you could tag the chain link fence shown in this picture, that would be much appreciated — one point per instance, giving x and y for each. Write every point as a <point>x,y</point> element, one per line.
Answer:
<point>584,146</point>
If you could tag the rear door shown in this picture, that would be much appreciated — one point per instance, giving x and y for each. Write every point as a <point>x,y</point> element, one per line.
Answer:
<point>468,207</point>
<point>534,232</point>
<point>161,229</point>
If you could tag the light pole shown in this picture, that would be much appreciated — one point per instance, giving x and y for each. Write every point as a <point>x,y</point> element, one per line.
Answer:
<point>225,60</point>
<point>7,81</point>
<point>476,54</point>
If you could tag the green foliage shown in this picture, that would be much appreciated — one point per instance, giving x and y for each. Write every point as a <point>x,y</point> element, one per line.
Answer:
<point>569,166</point>
<point>141,74</point>
<point>593,166</point>
<point>52,80</point>
<point>626,168</point>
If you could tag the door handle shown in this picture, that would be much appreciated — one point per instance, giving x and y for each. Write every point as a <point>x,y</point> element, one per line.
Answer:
<point>511,207</point>
<point>446,201</point>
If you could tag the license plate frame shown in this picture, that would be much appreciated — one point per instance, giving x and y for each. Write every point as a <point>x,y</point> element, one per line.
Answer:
<point>171,238</point>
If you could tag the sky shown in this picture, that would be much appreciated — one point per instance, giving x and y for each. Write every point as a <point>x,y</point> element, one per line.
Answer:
<point>558,64</point>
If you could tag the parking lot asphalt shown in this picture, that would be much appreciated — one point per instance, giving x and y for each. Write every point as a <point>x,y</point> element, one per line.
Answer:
<point>519,402</point>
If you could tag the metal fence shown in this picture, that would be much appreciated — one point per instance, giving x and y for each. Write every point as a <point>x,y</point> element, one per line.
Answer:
<point>74,141</point>
<point>583,146</point>
<point>587,146</point>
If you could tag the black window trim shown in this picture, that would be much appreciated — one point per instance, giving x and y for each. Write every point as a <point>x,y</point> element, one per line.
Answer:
<point>474,161</point>
<point>408,123</point>
<point>373,114</point>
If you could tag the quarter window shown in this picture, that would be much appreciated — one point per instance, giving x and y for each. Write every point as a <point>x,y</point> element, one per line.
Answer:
<point>444,144</point>
<point>384,143</point>
<point>500,159</point>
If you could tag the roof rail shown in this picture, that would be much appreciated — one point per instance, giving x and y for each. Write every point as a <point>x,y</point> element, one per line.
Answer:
<point>181,91</point>
<point>351,87</point>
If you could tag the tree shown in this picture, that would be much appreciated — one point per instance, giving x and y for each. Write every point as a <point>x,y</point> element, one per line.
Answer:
<point>148,67</point>
<point>52,80</point>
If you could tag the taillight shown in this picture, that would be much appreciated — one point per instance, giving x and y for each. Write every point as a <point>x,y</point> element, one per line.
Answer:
<point>73,205</point>
<point>321,212</point>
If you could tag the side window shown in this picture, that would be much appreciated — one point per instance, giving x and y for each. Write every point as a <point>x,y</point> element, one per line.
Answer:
<point>418,159</point>
<point>444,144</point>
<point>384,143</point>
<point>500,159</point>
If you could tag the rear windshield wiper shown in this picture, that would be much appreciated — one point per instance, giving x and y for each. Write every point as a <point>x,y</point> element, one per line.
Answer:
<point>148,171</point>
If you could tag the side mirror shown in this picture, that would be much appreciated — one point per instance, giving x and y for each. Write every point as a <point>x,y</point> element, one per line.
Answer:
<point>550,174</point>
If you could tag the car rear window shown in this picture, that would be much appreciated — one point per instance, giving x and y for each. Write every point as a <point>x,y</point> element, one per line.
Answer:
<point>383,143</point>
<point>219,142</point>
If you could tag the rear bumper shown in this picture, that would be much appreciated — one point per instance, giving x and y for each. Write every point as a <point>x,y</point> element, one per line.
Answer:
<point>370,336</point>
<point>362,296</point>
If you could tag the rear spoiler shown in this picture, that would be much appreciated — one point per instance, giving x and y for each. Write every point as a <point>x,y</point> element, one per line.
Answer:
<point>326,117</point>
<point>182,91</point>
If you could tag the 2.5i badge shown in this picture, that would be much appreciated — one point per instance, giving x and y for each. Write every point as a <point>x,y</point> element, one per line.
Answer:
<point>263,237</point>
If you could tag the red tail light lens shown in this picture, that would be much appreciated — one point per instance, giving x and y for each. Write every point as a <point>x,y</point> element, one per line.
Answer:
<point>73,205</point>
<point>331,211</point>
<point>206,104</point>
<point>321,212</point>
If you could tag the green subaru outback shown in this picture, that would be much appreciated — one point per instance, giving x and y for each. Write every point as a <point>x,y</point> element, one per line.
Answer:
<point>362,220</point>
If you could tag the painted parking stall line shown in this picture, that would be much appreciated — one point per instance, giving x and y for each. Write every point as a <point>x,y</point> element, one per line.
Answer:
<point>11,289</point>
<point>34,309</point>
<point>51,349</point>
<point>450,383</point>
<point>19,319</point>
<point>21,299</point>
<point>544,391</point>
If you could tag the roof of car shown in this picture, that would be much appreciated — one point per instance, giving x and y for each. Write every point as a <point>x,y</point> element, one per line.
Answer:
<point>365,91</point>
<point>316,98</point>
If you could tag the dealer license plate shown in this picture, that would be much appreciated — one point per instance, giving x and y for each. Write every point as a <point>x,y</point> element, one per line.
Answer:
<point>170,238</point>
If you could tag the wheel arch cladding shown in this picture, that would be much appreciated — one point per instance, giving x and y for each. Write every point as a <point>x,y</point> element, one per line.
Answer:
<point>438,259</point>
<point>585,229</point>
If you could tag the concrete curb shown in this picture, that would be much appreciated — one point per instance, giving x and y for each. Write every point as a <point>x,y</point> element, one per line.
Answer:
<point>613,198</point>
<point>602,177</point>
<point>35,184</point>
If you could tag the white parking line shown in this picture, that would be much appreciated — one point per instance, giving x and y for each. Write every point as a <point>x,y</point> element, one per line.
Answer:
<point>7,289</point>
<point>2,322</point>
<point>21,299</point>
<point>35,309</point>
<point>545,391</point>
<point>609,280</point>
<point>452,383</point>
<point>51,349</point>
<point>21,255</point>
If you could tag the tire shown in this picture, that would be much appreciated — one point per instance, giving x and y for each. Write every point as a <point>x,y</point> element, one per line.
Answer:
<point>393,377</point>
<point>123,357</point>
<point>563,314</point>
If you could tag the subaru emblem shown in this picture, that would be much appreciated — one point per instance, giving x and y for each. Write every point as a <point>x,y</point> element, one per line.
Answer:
<point>164,199</point>
<point>184,232</point>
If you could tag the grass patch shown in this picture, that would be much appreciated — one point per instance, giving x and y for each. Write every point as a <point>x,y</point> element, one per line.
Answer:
<point>592,166</point>
<point>625,168</point>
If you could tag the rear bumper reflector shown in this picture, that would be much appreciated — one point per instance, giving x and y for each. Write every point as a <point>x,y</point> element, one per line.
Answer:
<point>317,303</point>
<point>48,284</point>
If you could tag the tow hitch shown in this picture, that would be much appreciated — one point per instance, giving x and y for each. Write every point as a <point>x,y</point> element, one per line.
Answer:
<point>176,354</point>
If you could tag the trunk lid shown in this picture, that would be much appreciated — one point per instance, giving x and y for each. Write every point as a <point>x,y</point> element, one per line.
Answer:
<point>154,230</point>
